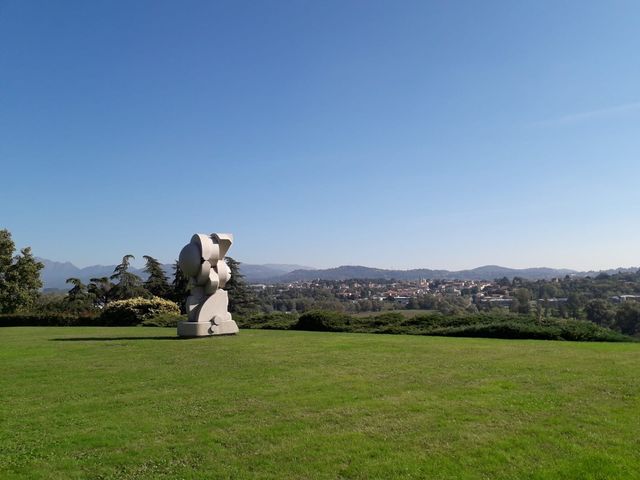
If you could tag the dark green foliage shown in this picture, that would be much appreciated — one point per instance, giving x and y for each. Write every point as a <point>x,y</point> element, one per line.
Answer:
<point>179,287</point>
<point>134,311</point>
<point>575,303</point>
<point>522,297</point>
<point>241,298</point>
<point>6,252</point>
<point>19,276</point>
<point>55,303</point>
<point>129,285</point>
<point>628,318</point>
<point>268,321</point>
<point>601,312</point>
<point>156,283</point>
<point>169,320</point>
<point>78,298</point>
<point>574,330</point>
<point>48,320</point>
<point>478,325</point>
<point>101,291</point>
<point>322,321</point>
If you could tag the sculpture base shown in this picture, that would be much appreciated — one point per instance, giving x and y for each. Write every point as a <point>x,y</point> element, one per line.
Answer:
<point>206,329</point>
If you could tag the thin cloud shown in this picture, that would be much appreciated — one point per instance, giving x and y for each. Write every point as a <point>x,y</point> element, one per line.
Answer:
<point>591,115</point>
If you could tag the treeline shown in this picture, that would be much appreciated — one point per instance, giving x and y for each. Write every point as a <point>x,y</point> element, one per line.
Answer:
<point>121,285</point>
<point>20,286</point>
<point>592,299</point>
<point>599,299</point>
<point>326,296</point>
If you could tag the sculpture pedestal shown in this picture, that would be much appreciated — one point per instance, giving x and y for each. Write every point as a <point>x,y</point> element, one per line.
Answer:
<point>194,329</point>
<point>207,329</point>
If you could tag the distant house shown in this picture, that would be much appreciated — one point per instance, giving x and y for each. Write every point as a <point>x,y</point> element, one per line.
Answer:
<point>493,301</point>
<point>404,301</point>
<point>625,298</point>
<point>552,301</point>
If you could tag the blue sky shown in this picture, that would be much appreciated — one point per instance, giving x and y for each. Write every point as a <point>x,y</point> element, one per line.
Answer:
<point>392,134</point>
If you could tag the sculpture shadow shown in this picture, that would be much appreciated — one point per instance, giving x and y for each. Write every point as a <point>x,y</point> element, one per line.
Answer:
<point>112,339</point>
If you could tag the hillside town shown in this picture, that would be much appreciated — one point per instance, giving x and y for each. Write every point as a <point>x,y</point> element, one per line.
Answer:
<point>556,295</point>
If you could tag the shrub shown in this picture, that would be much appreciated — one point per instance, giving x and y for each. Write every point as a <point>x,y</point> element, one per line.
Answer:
<point>164,320</point>
<point>269,321</point>
<point>584,331</point>
<point>135,311</point>
<point>320,321</point>
<point>504,329</point>
<point>47,320</point>
<point>489,325</point>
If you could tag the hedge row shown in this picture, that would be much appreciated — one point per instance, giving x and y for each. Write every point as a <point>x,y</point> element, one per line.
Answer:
<point>480,325</point>
<point>136,311</point>
<point>48,320</point>
<point>161,313</point>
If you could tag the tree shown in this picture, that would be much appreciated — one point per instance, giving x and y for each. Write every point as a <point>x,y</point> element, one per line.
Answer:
<point>78,297</point>
<point>599,311</point>
<point>6,252</point>
<point>628,318</point>
<point>157,283</point>
<point>575,302</point>
<point>241,299</point>
<point>101,291</point>
<point>521,302</point>
<point>129,284</point>
<point>179,287</point>
<point>19,276</point>
<point>413,304</point>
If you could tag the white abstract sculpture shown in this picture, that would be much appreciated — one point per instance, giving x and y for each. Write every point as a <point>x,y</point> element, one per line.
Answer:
<point>202,262</point>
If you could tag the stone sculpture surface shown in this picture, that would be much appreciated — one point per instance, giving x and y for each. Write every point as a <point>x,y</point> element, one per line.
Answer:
<point>202,262</point>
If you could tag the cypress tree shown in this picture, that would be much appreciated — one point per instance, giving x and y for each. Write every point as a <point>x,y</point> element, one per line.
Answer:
<point>129,284</point>
<point>157,283</point>
<point>179,287</point>
<point>241,299</point>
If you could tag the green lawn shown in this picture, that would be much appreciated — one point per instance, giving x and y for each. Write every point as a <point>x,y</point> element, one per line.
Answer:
<point>134,403</point>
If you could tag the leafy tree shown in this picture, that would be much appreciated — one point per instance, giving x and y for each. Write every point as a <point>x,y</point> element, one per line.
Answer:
<point>78,288</point>
<point>50,303</point>
<point>521,302</point>
<point>628,318</point>
<point>575,302</point>
<point>157,283</point>
<point>241,299</point>
<point>19,276</point>
<point>413,304</point>
<point>78,298</point>
<point>6,252</point>
<point>599,311</point>
<point>129,284</point>
<point>101,290</point>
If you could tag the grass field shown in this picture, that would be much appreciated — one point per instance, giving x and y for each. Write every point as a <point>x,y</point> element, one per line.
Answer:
<point>135,403</point>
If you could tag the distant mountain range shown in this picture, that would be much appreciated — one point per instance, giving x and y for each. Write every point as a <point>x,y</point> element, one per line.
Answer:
<point>55,274</point>
<point>488,272</point>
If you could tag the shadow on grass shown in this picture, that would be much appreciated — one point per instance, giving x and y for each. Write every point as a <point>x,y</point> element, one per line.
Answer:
<point>115,339</point>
